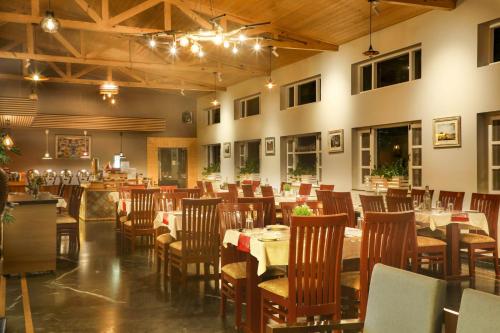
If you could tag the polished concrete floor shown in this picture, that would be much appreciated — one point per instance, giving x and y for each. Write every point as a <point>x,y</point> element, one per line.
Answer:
<point>103,289</point>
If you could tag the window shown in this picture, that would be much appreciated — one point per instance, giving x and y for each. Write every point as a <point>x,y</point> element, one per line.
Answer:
<point>494,155</point>
<point>247,107</point>
<point>300,93</point>
<point>496,44</point>
<point>386,70</point>
<point>213,115</point>
<point>303,156</point>
<point>213,155</point>
<point>248,157</point>
<point>488,42</point>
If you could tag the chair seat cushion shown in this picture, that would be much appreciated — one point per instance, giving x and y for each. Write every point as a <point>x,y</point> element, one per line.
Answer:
<point>176,247</point>
<point>277,286</point>
<point>165,239</point>
<point>350,280</point>
<point>236,270</point>
<point>123,219</point>
<point>65,219</point>
<point>428,241</point>
<point>475,239</point>
<point>127,224</point>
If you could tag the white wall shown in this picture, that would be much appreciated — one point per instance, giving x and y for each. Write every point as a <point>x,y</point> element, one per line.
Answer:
<point>451,85</point>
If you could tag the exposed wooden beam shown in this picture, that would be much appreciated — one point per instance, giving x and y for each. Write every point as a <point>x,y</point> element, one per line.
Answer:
<point>67,45</point>
<point>10,46</point>
<point>56,69</point>
<point>77,25</point>
<point>166,86</point>
<point>35,7</point>
<point>433,4</point>
<point>191,14</point>
<point>131,12</point>
<point>105,9</point>
<point>84,71</point>
<point>89,10</point>
<point>30,39</point>
<point>109,74</point>
<point>83,48</point>
<point>167,15</point>
<point>131,74</point>
<point>68,70</point>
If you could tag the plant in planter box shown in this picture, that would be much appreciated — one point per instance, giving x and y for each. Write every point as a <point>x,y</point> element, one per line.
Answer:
<point>399,168</point>
<point>211,169</point>
<point>250,167</point>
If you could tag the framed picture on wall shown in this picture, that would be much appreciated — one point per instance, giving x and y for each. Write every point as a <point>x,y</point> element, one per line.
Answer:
<point>270,149</point>
<point>72,146</point>
<point>447,132</point>
<point>336,141</point>
<point>227,149</point>
<point>187,117</point>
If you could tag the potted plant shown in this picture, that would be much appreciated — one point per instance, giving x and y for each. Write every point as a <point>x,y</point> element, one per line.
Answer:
<point>34,182</point>
<point>302,210</point>
<point>250,170</point>
<point>394,175</point>
<point>304,173</point>
<point>211,171</point>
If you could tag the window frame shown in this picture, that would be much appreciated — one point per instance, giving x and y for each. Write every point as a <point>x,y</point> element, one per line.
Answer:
<point>491,143</point>
<point>291,141</point>
<point>295,86</point>
<point>211,154</point>
<point>242,106</point>
<point>210,115</point>
<point>492,28</point>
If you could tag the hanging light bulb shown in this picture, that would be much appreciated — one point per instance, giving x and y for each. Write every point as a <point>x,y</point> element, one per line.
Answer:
<point>113,101</point>
<point>152,42</point>
<point>371,52</point>
<point>235,49</point>
<point>257,47</point>
<point>121,154</point>
<point>173,49</point>
<point>85,153</point>
<point>201,54</point>
<point>7,141</point>
<point>270,84</point>
<point>49,23</point>
<point>226,44</point>
<point>103,97</point>
<point>218,39</point>
<point>183,41</point>
<point>215,102</point>
<point>195,48</point>
<point>242,37</point>
<point>46,156</point>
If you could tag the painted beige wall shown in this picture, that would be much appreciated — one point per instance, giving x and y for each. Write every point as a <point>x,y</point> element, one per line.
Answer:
<point>451,85</point>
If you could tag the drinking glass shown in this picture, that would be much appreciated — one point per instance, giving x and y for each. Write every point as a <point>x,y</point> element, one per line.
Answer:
<point>439,205</point>
<point>416,204</point>
<point>450,206</point>
<point>249,224</point>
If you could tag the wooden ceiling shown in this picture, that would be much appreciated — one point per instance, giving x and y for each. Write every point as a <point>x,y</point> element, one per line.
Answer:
<point>101,40</point>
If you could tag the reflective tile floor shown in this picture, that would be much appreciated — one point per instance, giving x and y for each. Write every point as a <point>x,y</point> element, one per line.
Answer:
<point>104,290</point>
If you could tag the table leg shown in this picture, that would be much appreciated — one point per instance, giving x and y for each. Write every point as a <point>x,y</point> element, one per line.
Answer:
<point>252,321</point>
<point>453,251</point>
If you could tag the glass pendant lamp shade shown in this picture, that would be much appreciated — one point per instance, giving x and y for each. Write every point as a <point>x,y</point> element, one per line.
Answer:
<point>46,156</point>
<point>7,141</point>
<point>49,23</point>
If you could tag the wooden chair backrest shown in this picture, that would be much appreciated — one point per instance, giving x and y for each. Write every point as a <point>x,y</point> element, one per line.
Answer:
<point>288,207</point>
<point>314,265</point>
<point>168,188</point>
<point>397,192</point>
<point>193,193</point>
<point>75,200</point>
<point>227,197</point>
<point>200,228</point>
<point>255,184</point>
<point>398,204</point>
<point>267,191</point>
<point>489,205</point>
<point>456,198</point>
<point>247,190</point>
<point>305,189</point>
<point>372,203</point>
<point>162,199</point>
<point>268,205</point>
<point>384,240</point>
<point>142,212</point>
<point>337,203</point>
<point>234,216</point>
<point>66,191</point>
<point>209,189</point>
<point>199,185</point>
<point>233,188</point>
<point>52,189</point>
<point>418,195</point>
<point>326,187</point>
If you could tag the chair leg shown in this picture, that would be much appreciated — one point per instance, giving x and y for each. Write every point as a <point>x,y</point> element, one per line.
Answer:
<point>444,264</point>
<point>184,275</point>
<point>165,262</point>
<point>496,261</point>
<point>472,263</point>
<point>238,290</point>
<point>158,256</point>
<point>263,321</point>
<point>132,243</point>
<point>223,304</point>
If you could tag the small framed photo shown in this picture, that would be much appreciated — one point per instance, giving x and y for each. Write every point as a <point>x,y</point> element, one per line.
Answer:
<point>187,117</point>
<point>336,141</point>
<point>227,149</point>
<point>447,132</point>
<point>270,146</point>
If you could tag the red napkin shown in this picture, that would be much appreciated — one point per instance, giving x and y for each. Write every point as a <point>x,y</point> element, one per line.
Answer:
<point>124,206</point>
<point>244,243</point>
<point>460,217</point>
<point>165,218</point>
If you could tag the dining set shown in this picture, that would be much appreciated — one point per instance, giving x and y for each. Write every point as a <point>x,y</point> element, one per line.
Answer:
<point>283,266</point>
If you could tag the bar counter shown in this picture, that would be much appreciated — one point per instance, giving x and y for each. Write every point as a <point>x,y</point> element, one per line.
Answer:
<point>97,203</point>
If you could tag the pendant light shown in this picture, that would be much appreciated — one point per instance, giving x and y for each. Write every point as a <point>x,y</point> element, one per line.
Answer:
<point>122,155</point>
<point>371,52</point>
<point>85,153</point>
<point>7,141</point>
<point>215,102</point>
<point>270,84</point>
<point>46,156</point>
<point>49,23</point>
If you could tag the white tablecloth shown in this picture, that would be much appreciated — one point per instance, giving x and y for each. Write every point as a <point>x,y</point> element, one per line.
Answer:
<point>114,196</point>
<point>437,219</point>
<point>274,253</point>
<point>124,206</point>
<point>61,203</point>
<point>172,220</point>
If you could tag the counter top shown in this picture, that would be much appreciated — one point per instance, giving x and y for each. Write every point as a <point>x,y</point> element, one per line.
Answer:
<point>27,199</point>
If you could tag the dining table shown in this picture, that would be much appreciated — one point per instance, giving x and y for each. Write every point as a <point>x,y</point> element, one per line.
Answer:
<point>268,247</point>
<point>172,220</point>
<point>454,223</point>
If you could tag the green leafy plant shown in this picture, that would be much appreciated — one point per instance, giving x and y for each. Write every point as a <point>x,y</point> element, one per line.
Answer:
<point>7,216</point>
<point>210,169</point>
<point>251,166</point>
<point>303,169</point>
<point>287,187</point>
<point>398,168</point>
<point>302,210</point>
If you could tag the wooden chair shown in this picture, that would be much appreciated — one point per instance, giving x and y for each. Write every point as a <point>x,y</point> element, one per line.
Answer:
<point>52,189</point>
<point>175,198</point>
<point>142,215</point>
<point>430,250</point>
<point>326,187</point>
<point>209,189</point>
<point>288,207</point>
<point>384,240</point>
<point>338,203</point>
<point>233,188</point>
<point>478,312</point>
<point>479,245</point>
<point>233,271</point>
<point>200,238</point>
<point>372,203</point>
<point>267,191</point>
<point>255,184</point>
<point>268,205</point>
<point>168,188</point>
<point>227,197</point>
<point>305,189</point>
<point>201,187</point>
<point>313,283</point>
<point>456,198</point>
<point>247,190</point>
<point>397,192</point>
<point>192,193</point>
<point>418,195</point>
<point>69,225</point>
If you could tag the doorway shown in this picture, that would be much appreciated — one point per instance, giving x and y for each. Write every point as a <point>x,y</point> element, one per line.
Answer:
<point>172,163</point>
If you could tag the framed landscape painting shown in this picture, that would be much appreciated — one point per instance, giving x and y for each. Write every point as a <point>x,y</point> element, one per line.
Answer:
<point>227,149</point>
<point>270,147</point>
<point>447,132</point>
<point>336,141</point>
<point>72,146</point>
